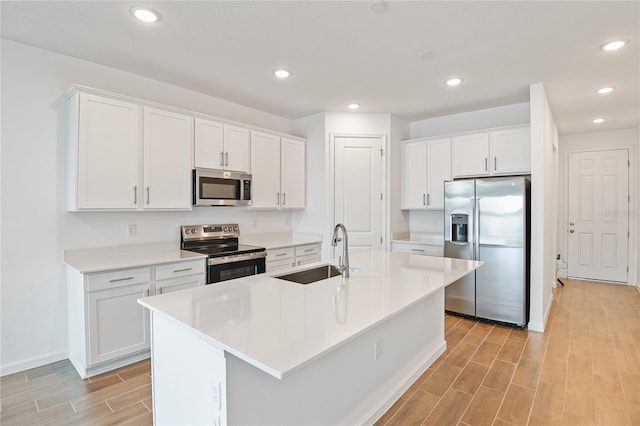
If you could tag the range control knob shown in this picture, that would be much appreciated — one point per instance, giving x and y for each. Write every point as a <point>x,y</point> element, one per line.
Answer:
<point>235,228</point>
<point>193,231</point>
<point>225,229</point>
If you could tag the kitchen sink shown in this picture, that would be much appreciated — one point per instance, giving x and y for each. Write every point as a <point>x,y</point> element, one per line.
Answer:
<point>309,276</point>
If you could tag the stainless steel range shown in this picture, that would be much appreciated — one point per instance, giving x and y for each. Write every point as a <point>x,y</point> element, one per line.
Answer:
<point>227,259</point>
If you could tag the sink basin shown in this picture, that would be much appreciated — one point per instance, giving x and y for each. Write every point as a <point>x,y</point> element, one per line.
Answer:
<point>309,276</point>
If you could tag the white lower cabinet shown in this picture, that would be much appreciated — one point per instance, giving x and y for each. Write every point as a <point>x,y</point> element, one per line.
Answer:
<point>107,327</point>
<point>289,257</point>
<point>423,249</point>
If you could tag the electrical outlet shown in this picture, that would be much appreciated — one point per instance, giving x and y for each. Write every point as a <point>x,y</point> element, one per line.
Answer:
<point>131,230</point>
<point>434,221</point>
<point>378,349</point>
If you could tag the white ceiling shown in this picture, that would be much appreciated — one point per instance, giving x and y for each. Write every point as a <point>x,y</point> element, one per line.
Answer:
<point>340,52</point>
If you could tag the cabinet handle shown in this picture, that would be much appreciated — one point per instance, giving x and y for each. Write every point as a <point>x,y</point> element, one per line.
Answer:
<point>284,198</point>
<point>147,293</point>
<point>226,159</point>
<point>148,197</point>
<point>495,163</point>
<point>159,290</point>
<point>135,195</point>
<point>486,165</point>
<point>299,261</point>
<point>221,158</point>
<point>120,279</point>
<point>182,270</point>
<point>428,199</point>
<point>418,250</point>
<point>277,198</point>
<point>311,249</point>
<point>280,254</point>
<point>424,199</point>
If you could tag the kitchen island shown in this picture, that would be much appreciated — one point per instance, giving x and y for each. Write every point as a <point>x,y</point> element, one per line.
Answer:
<point>261,350</point>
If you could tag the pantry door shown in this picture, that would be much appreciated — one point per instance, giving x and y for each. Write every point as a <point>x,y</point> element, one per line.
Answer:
<point>598,221</point>
<point>358,190</point>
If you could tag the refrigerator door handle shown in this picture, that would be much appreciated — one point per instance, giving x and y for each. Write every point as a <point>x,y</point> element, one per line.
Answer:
<point>476,229</point>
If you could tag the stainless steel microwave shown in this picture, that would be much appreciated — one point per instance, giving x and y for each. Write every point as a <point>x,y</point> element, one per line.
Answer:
<point>221,188</point>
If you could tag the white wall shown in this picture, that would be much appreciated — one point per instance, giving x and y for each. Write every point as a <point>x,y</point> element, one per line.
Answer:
<point>544,143</point>
<point>598,141</point>
<point>36,228</point>
<point>473,120</point>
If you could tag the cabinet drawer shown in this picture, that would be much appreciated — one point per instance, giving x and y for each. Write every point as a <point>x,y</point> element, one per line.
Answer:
<point>281,253</point>
<point>112,279</point>
<point>307,250</point>
<point>181,283</point>
<point>180,269</point>
<point>420,249</point>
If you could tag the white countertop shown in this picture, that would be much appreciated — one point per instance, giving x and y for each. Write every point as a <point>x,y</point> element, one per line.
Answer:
<point>418,238</point>
<point>279,326</point>
<point>280,240</point>
<point>109,258</point>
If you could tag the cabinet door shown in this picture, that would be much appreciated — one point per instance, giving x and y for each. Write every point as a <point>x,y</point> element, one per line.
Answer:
<point>237,149</point>
<point>470,155</point>
<point>182,283</point>
<point>208,148</point>
<point>511,151</point>
<point>108,133</point>
<point>118,325</point>
<point>414,175</point>
<point>167,159</point>
<point>292,174</point>
<point>265,160</point>
<point>438,171</point>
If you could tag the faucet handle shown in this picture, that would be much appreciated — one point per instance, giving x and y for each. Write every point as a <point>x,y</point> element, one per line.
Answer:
<point>336,240</point>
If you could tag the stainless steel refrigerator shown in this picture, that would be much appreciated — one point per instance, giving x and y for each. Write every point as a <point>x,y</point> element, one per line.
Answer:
<point>489,220</point>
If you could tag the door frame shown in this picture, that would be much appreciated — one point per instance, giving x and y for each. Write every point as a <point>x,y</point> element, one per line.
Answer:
<point>562,266</point>
<point>384,223</point>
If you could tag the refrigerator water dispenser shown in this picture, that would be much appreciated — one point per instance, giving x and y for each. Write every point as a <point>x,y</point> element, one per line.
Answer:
<point>459,225</point>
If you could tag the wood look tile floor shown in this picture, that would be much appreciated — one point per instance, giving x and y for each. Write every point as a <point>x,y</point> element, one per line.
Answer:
<point>584,370</point>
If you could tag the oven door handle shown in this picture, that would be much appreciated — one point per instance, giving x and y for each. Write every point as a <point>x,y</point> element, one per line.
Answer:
<point>236,258</point>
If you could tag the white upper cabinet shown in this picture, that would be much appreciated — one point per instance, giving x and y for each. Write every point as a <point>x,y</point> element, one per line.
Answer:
<point>426,165</point>
<point>470,155</point>
<point>221,146</point>
<point>167,159</point>
<point>237,149</point>
<point>511,151</point>
<point>278,171</point>
<point>293,173</point>
<point>208,147</point>
<point>499,152</point>
<point>103,153</point>
<point>265,171</point>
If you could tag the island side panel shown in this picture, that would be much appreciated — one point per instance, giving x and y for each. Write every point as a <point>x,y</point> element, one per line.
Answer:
<point>346,385</point>
<point>188,376</point>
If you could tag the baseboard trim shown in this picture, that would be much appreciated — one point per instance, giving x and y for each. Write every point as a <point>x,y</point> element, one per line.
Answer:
<point>17,367</point>
<point>539,327</point>
<point>422,362</point>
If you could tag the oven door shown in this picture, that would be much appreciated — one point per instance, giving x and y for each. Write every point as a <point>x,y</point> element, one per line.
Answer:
<point>231,267</point>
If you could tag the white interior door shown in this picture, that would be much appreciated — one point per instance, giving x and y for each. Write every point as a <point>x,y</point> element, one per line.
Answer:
<point>598,226</point>
<point>358,192</point>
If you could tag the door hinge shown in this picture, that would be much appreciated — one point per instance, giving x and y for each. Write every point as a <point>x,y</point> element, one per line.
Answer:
<point>381,152</point>
<point>628,163</point>
<point>380,240</point>
<point>381,195</point>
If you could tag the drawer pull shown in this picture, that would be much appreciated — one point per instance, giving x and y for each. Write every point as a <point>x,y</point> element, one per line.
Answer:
<point>311,249</point>
<point>281,254</point>
<point>182,270</point>
<point>418,250</point>
<point>160,290</point>
<point>120,279</point>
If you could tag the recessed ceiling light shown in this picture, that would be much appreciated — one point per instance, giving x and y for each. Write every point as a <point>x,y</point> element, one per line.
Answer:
<point>598,120</point>
<point>614,45</point>
<point>453,81</point>
<point>377,6</point>
<point>145,15</point>
<point>353,106</point>
<point>605,90</point>
<point>282,73</point>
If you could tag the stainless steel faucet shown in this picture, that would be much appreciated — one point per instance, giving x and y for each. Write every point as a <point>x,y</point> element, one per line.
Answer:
<point>344,267</point>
